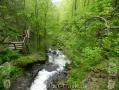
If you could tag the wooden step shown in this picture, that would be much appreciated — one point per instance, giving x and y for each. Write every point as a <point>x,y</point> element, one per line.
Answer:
<point>18,48</point>
<point>16,44</point>
<point>11,47</point>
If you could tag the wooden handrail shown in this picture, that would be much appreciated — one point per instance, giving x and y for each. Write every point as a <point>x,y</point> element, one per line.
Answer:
<point>13,43</point>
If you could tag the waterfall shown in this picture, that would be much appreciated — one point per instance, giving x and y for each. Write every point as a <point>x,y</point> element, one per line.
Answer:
<point>57,58</point>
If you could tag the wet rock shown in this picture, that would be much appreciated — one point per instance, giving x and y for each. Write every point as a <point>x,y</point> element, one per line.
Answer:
<point>25,81</point>
<point>50,67</point>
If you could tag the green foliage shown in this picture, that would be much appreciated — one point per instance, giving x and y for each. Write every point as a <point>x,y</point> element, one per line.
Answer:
<point>24,60</point>
<point>92,56</point>
<point>8,72</point>
<point>88,43</point>
<point>8,55</point>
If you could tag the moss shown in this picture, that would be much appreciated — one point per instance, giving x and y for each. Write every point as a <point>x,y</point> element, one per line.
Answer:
<point>24,60</point>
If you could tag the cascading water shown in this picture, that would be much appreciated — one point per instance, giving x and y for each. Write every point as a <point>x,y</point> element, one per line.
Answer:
<point>56,58</point>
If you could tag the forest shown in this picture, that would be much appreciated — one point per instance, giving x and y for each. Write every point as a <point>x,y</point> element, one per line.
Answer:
<point>38,36</point>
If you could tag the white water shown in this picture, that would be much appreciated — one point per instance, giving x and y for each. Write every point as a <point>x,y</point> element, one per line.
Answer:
<point>40,83</point>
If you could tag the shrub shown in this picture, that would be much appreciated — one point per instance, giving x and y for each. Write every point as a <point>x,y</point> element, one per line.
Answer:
<point>8,55</point>
<point>8,72</point>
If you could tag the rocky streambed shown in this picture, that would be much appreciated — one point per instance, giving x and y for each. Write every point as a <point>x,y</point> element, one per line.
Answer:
<point>44,75</point>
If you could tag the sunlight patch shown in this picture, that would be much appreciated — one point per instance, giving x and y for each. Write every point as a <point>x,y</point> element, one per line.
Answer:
<point>55,1</point>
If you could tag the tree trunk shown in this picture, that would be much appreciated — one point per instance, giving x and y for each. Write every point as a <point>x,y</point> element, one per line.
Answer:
<point>74,7</point>
<point>114,3</point>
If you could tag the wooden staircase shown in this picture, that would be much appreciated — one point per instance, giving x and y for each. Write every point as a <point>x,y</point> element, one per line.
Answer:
<point>16,45</point>
<point>19,43</point>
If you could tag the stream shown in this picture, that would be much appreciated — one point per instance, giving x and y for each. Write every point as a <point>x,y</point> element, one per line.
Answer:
<point>56,63</point>
<point>45,76</point>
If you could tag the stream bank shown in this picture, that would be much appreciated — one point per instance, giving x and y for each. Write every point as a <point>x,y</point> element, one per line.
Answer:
<point>30,71</point>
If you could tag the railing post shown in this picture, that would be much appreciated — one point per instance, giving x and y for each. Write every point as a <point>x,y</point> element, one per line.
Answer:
<point>15,46</point>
